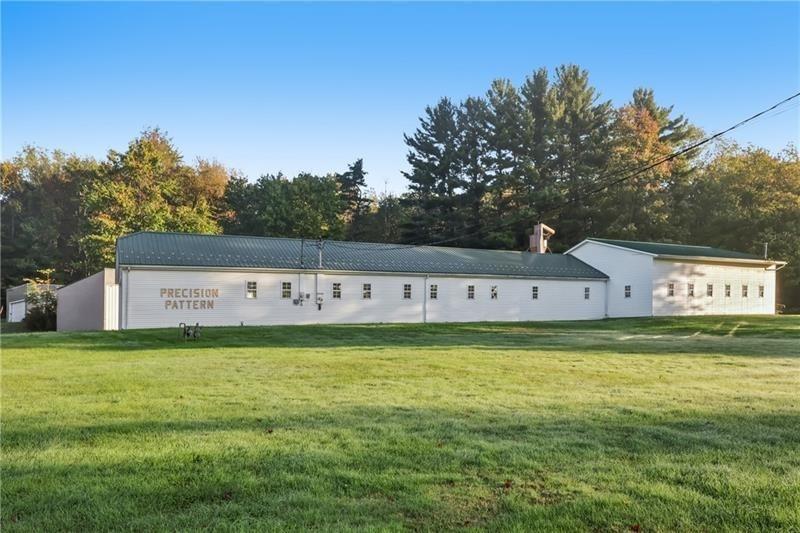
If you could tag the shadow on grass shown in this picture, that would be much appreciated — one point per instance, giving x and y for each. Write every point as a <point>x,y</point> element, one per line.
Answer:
<point>723,336</point>
<point>405,468</point>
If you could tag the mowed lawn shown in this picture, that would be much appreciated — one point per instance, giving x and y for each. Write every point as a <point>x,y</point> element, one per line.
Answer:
<point>651,424</point>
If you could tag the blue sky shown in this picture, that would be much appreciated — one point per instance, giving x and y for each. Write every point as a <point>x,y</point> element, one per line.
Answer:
<point>268,87</point>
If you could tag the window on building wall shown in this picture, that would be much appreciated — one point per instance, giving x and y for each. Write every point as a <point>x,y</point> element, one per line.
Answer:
<point>586,293</point>
<point>744,291</point>
<point>366,291</point>
<point>670,289</point>
<point>337,291</point>
<point>493,292</point>
<point>727,291</point>
<point>690,290</point>
<point>710,289</point>
<point>760,291</point>
<point>251,290</point>
<point>627,291</point>
<point>434,292</point>
<point>406,291</point>
<point>470,292</point>
<point>535,292</point>
<point>286,289</point>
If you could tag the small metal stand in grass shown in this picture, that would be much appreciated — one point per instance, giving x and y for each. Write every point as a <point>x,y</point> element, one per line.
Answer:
<point>190,332</point>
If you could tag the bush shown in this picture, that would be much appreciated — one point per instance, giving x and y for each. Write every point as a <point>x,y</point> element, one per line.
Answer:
<point>41,304</point>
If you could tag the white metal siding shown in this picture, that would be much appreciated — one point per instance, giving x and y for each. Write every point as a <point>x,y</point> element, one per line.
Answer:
<point>111,307</point>
<point>681,274</point>
<point>623,267</point>
<point>144,306</point>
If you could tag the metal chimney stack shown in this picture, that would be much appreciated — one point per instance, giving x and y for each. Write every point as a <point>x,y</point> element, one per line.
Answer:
<point>541,233</point>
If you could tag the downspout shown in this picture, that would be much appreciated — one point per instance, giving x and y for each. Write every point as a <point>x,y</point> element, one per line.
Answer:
<point>605,312</point>
<point>425,300</point>
<point>127,284</point>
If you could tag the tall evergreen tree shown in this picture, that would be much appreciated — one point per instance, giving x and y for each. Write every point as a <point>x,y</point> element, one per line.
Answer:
<point>434,178</point>
<point>473,146</point>
<point>579,147</point>
<point>352,188</point>
<point>510,168</point>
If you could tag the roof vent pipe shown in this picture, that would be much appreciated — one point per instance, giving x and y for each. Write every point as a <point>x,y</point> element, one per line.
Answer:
<point>541,233</point>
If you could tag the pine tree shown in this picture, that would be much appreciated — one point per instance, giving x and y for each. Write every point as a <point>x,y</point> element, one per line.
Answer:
<point>352,188</point>
<point>473,152</point>
<point>510,168</point>
<point>434,178</point>
<point>579,148</point>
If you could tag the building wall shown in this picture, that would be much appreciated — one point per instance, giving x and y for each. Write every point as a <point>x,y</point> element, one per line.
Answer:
<point>84,305</point>
<point>15,303</point>
<point>681,274</point>
<point>623,267</point>
<point>148,299</point>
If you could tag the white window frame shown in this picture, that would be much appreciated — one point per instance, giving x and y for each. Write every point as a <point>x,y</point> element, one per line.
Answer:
<point>587,293</point>
<point>760,291</point>
<point>627,291</point>
<point>366,291</point>
<point>286,290</point>
<point>535,292</point>
<point>406,291</point>
<point>470,292</point>
<point>727,290</point>
<point>670,289</point>
<point>250,293</point>
<point>336,291</point>
<point>434,291</point>
<point>710,290</point>
<point>493,292</point>
<point>745,290</point>
<point>690,290</point>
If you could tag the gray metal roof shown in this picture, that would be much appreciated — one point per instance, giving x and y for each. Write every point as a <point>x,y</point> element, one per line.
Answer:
<point>226,251</point>
<point>684,250</point>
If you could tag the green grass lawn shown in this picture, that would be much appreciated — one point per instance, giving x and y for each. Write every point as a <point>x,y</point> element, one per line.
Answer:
<point>664,424</point>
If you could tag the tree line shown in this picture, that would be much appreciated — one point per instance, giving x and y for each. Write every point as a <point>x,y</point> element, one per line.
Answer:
<point>480,173</point>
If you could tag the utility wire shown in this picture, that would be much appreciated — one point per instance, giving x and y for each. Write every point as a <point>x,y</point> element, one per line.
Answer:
<point>626,176</point>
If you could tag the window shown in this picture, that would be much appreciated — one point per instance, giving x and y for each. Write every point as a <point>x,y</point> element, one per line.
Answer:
<point>337,291</point>
<point>535,292</point>
<point>470,292</point>
<point>406,291</point>
<point>670,289</point>
<point>586,293</point>
<point>493,292</point>
<point>760,291</point>
<point>744,291</point>
<point>690,290</point>
<point>366,291</point>
<point>286,289</point>
<point>434,292</point>
<point>252,290</point>
<point>727,291</point>
<point>710,289</point>
<point>627,291</point>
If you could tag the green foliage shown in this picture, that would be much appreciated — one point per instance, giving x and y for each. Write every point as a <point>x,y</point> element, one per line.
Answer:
<point>676,424</point>
<point>148,187</point>
<point>41,299</point>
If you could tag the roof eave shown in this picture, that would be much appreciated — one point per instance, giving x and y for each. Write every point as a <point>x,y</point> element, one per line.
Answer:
<point>604,277</point>
<point>719,259</point>
<point>633,250</point>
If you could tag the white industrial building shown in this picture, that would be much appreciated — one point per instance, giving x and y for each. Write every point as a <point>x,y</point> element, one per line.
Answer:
<point>164,279</point>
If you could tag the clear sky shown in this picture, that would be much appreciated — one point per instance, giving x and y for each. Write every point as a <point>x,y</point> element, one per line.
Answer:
<point>268,87</point>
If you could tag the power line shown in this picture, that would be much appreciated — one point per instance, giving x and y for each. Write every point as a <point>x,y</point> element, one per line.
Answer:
<point>626,176</point>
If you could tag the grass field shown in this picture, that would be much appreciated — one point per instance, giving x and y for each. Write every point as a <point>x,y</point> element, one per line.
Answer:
<point>651,424</point>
